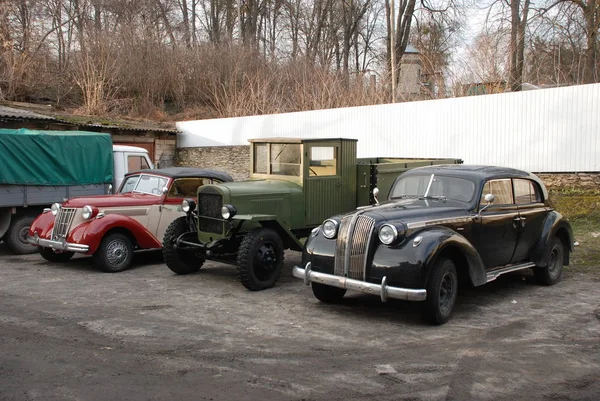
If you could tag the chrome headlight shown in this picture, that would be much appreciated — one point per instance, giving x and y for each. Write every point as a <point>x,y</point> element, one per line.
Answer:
<point>329,228</point>
<point>387,234</point>
<point>187,205</point>
<point>228,211</point>
<point>55,208</point>
<point>87,212</point>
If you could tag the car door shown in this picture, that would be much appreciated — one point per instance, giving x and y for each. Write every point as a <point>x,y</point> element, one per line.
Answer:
<point>495,231</point>
<point>532,212</point>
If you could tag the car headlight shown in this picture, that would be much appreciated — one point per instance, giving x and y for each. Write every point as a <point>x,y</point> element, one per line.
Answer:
<point>187,205</point>
<point>55,208</point>
<point>228,211</point>
<point>87,212</point>
<point>329,228</point>
<point>388,234</point>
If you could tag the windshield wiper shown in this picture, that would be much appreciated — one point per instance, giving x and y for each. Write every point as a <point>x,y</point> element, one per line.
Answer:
<point>405,197</point>
<point>437,197</point>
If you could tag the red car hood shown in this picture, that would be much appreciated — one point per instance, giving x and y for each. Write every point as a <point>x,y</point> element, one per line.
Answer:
<point>100,201</point>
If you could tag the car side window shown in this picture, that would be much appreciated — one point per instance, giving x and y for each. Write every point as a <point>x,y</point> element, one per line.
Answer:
<point>323,161</point>
<point>188,187</point>
<point>526,192</point>
<point>501,189</point>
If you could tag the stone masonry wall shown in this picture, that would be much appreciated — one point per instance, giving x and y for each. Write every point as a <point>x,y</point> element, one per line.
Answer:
<point>233,159</point>
<point>571,180</point>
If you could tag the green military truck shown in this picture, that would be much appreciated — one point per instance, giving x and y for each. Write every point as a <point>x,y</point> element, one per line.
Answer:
<point>294,185</point>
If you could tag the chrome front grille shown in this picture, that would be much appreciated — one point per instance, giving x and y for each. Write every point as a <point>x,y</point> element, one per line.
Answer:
<point>209,205</point>
<point>62,223</point>
<point>352,246</point>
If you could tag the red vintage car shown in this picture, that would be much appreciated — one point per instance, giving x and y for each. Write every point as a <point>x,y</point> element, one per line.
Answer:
<point>111,227</point>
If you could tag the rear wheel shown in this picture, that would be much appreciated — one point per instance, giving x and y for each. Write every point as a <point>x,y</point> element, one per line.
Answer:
<point>260,259</point>
<point>552,272</point>
<point>16,236</point>
<point>180,262</point>
<point>51,256</point>
<point>327,293</point>
<point>442,289</point>
<point>114,254</point>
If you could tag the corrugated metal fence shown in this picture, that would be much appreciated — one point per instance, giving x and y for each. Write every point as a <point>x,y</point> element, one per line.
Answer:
<point>547,130</point>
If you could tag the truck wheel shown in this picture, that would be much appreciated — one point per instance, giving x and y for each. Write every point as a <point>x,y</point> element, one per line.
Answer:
<point>327,293</point>
<point>51,256</point>
<point>179,262</point>
<point>16,236</point>
<point>552,273</point>
<point>260,259</point>
<point>114,254</point>
<point>442,288</point>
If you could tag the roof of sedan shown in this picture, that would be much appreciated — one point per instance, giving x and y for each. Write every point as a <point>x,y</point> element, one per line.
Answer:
<point>189,172</point>
<point>474,170</point>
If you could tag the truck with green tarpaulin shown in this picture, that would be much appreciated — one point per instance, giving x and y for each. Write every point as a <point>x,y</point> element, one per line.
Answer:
<point>38,168</point>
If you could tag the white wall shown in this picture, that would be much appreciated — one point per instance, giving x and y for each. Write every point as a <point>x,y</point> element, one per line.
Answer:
<point>547,130</point>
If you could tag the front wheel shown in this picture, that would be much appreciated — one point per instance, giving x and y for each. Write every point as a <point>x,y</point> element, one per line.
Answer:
<point>51,256</point>
<point>180,262</point>
<point>552,272</point>
<point>327,293</point>
<point>260,259</point>
<point>114,254</point>
<point>442,288</point>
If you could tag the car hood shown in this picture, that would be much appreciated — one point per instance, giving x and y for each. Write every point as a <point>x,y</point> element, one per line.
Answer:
<point>118,200</point>
<point>412,210</point>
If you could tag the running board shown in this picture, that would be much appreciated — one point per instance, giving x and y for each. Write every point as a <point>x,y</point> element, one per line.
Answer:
<point>494,274</point>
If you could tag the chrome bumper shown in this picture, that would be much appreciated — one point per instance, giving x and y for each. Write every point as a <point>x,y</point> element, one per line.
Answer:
<point>383,290</point>
<point>58,245</point>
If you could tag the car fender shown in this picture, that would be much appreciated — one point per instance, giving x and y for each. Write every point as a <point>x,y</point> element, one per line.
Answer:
<point>42,225</point>
<point>91,232</point>
<point>415,256</point>
<point>554,224</point>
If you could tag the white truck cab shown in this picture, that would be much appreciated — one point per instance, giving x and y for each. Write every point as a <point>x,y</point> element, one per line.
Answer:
<point>127,159</point>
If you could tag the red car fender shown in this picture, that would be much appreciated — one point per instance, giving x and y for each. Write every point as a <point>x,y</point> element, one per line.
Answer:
<point>42,225</point>
<point>91,232</point>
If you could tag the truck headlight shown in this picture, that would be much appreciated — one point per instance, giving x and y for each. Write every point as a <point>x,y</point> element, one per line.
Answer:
<point>228,211</point>
<point>388,234</point>
<point>187,205</point>
<point>88,212</point>
<point>55,208</point>
<point>329,228</point>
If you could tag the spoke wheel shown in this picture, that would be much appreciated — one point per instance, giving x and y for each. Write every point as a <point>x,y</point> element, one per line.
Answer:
<point>260,259</point>
<point>51,256</point>
<point>114,254</point>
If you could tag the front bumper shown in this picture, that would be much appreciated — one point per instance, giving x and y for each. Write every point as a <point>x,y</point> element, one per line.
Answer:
<point>383,290</point>
<point>57,245</point>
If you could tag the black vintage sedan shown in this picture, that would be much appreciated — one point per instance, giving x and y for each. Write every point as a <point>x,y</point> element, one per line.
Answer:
<point>440,226</point>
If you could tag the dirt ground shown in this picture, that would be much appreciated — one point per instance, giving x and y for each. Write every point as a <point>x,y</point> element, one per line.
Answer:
<point>70,332</point>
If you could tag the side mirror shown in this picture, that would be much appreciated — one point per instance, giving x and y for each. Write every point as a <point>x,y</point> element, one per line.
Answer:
<point>375,194</point>
<point>110,189</point>
<point>165,190</point>
<point>489,198</point>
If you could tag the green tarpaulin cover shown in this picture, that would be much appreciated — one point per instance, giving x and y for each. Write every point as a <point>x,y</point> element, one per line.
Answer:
<point>32,157</point>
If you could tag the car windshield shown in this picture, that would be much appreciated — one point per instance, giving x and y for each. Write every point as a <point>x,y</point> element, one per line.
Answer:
<point>144,183</point>
<point>433,186</point>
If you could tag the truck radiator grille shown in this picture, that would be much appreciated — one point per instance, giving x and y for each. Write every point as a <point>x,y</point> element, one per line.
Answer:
<point>352,246</point>
<point>209,205</point>
<point>62,223</point>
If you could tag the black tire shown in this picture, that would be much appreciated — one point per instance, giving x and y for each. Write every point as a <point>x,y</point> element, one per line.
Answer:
<point>442,288</point>
<point>327,293</point>
<point>51,256</point>
<point>114,254</point>
<point>260,259</point>
<point>179,262</point>
<point>16,236</point>
<point>552,272</point>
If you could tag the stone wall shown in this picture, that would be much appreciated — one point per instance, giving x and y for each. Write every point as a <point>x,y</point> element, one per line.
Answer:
<point>233,159</point>
<point>571,180</point>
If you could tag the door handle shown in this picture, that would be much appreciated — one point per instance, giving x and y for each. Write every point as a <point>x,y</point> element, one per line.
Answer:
<point>523,221</point>
<point>516,221</point>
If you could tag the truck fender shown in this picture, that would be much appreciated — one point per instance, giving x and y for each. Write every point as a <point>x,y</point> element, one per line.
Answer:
<point>91,232</point>
<point>554,225</point>
<point>289,240</point>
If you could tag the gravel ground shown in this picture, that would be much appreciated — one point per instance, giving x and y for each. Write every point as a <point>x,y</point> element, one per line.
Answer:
<point>70,332</point>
